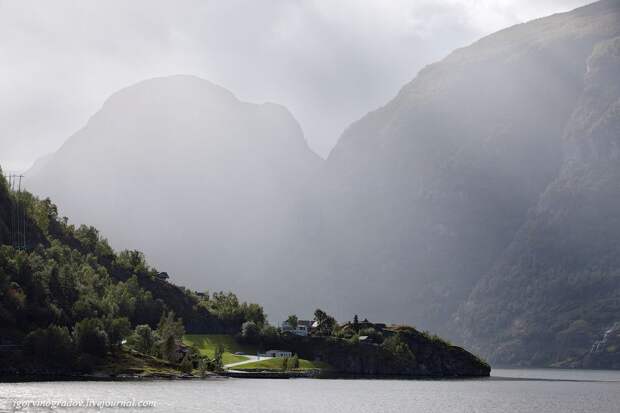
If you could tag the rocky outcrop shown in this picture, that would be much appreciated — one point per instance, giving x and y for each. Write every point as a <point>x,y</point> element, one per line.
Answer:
<point>428,357</point>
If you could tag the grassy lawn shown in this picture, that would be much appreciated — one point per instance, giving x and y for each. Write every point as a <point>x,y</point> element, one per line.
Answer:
<point>276,364</point>
<point>207,343</point>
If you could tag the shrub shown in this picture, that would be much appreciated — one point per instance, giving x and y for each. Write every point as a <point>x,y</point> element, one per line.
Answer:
<point>375,335</point>
<point>90,337</point>
<point>143,339</point>
<point>218,363</point>
<point>292,362</point>
<point>269,334</point>
<point>250,332</point>
<point>399,349</point>
<point>203,367</point>
<point>86,363</point>
<point>51,344</point>
<point>186,364</point>
<point>169,349</point>
<point>117,329</point>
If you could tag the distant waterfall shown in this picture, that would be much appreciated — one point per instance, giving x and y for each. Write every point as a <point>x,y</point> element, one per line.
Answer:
<point>599,345</point>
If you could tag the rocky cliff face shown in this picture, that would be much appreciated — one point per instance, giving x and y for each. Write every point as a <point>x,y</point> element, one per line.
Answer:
<point>604,353</point>
<point>423,195</point>
<point>557,286</point>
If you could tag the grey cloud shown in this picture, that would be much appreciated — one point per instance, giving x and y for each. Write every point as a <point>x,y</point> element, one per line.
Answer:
<point>329,62</point>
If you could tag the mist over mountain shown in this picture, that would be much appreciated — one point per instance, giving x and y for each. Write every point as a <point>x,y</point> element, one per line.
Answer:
<point>205,184</point>
<point>480,203</point>
<point>557,286</point>
<point>430,189</point>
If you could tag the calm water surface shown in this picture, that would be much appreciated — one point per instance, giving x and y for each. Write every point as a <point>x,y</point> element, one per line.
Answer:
<point>508,390</point>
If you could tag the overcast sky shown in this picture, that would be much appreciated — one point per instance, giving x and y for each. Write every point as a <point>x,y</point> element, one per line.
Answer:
<point>328,61</point>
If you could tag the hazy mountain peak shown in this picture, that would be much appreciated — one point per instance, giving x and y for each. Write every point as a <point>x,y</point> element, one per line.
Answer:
<point>177,87</point>
<point>415,210</point>
<point>200,177</point>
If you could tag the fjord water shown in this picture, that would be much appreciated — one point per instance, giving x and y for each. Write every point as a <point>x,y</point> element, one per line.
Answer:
<point>510,390</point>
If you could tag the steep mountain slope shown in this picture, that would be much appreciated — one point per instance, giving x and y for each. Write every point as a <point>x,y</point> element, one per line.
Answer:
<point>556,289</point>
<point>426,192</point>
<point>205,184</point>
<point>486,189</point>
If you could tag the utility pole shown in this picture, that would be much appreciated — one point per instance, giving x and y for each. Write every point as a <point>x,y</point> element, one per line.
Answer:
<point>17,225</point>
<point>22,209</point>
<point>11,218</point>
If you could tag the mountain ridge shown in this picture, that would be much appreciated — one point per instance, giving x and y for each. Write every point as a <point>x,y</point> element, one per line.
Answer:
<point>408,216</point>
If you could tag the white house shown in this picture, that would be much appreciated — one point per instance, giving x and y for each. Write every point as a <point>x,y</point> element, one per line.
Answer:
<point>278,353</point>
<point>302,329</point>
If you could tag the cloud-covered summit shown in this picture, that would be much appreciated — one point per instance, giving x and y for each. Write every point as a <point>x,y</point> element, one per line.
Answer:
<point>328,61</point>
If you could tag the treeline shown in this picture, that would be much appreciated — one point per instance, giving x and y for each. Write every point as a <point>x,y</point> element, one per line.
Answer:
<point>69,296</point>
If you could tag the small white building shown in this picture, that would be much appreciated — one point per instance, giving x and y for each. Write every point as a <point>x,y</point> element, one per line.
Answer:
<point>302,329</point>
<point>278,353</point>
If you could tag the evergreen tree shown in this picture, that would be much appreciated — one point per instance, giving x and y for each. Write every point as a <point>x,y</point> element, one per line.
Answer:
<point>90,337</point>
<point>203,367</point>
<point>143,339</point>
<point>186,364</point>
<point>292,362</point>
<point>169,349</point>
<point>292,321</point>
<point>218,363</point>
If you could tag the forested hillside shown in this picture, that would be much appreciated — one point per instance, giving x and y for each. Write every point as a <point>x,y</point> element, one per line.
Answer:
<point>69,279</point>
<point>71,305</point>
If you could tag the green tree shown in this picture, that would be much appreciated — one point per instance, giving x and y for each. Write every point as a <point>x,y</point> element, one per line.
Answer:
<point>53,343</point>
<point>292,321</point>
<point>292,362</point>
<point>356,323</point>
<point>90,337</point>
<point>230,311</point>
<point>269,335</point>
<point>143,339</point>
<point>399,348</point>
<point>186,364</point>
<point>117,329</point>
<point>218,363</point>
<point>170,326</point>
<point>326,323</point>
<point>254,312</point>
<point>203,367</point>
<point>169,349</point>
<point>250,332</point>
